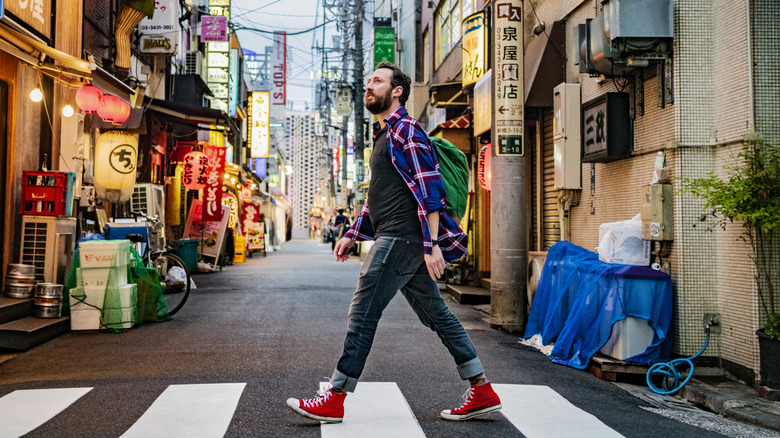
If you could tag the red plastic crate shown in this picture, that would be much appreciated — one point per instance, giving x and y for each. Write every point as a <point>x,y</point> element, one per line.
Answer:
<point>44,193</point>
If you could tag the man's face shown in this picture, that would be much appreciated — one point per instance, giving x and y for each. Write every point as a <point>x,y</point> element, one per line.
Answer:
<point>379,91</point>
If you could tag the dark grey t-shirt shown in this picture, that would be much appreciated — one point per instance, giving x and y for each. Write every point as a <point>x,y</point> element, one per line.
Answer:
<point>392,206</point>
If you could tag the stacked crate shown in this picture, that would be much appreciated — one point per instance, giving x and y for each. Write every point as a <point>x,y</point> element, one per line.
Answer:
<point>103,298</point>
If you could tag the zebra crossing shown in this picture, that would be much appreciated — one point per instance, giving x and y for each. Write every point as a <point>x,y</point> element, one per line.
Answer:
<point>376,409</point>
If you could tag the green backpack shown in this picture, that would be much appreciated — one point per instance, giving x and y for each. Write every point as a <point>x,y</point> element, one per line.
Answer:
<point>454,169</point>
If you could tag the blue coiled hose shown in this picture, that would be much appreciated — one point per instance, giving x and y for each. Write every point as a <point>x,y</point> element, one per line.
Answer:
<point>669,369</point>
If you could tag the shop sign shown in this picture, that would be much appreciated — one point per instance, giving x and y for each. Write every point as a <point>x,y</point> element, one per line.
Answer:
<point>253,228</point>
<point>218,75</point>
<point>384,45</point>
<point>279,69</point>
<point>343,100</point>
<point>474,39</point>
<point>212,193</point>
<point>217,59</point>
<point>231,201</point>
<point>273,180</point>
<point>218,46</point>
<point>213,28</point>
<point>35,13</point>
<point>160,34</point>
<point>508,77</point>
<point>209,233</point>
<point>234,84</point>
<point>259,119</point>
<point>483,108</point>
<point>218,90</point>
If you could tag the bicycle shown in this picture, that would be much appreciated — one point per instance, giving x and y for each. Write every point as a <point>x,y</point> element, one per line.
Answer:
<point>158,255</point>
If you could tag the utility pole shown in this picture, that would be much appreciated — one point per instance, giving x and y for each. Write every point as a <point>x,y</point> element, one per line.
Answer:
<point>345,117</point>
<point>358,100</point>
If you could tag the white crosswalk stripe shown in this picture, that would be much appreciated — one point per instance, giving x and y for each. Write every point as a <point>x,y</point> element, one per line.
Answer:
<point>189,410</point>
<point>375,409</point>
<point>538,411</point>
<point>24,410</point>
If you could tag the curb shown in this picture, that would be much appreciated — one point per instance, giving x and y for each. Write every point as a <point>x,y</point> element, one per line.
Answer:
<point>757,412</point>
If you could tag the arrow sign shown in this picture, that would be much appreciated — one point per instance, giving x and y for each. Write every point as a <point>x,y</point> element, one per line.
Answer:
<point>501,109</point>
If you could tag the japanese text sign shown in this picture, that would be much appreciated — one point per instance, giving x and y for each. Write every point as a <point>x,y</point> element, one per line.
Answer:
<point>212,193</point>
<point>508,77</point>
<point>259,119</point>
<point>474,40</point>
<point>213,28</point>
<point>160,34</point>
<point>35,13</point>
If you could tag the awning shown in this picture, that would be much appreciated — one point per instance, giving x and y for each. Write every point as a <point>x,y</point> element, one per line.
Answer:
<point>448,94</point>
<point>544,66</point>
<point>188,114</point>
<point>31,50</point>
<point>457,131</point>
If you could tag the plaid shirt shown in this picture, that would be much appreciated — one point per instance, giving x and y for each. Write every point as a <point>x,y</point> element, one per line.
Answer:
<point>413,157</point>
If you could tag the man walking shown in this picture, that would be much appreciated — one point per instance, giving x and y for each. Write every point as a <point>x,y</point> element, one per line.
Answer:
<point>414,239</point>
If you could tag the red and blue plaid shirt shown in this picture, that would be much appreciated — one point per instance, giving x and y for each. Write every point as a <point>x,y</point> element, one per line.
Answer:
<point>413,157</point>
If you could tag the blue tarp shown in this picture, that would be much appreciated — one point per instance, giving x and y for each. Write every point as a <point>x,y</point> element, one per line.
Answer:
<point>579,298</point>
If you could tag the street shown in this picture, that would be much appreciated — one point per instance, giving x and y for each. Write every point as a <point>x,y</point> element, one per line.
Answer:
<point>257,333</point>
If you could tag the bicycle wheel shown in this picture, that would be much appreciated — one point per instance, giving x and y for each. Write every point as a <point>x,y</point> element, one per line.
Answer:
<point>176,286</point>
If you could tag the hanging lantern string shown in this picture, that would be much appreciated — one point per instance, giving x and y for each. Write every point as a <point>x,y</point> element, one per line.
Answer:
<point>55,142</point>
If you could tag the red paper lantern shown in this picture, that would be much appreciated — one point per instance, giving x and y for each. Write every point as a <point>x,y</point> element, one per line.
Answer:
<point>122,114</point>
<point>110,108</point>
<point>485,168</point>
<point>195,172</point>
<point>88,98</point>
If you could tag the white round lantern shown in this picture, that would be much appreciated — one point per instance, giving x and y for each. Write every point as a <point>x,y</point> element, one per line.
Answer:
<point>116,160</point>
<point>195,170</point>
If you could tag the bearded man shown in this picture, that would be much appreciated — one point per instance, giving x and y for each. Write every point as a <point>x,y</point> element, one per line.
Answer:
<point>414,238</point>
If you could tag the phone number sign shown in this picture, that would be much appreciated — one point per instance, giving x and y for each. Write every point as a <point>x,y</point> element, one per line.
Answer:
<point>508,77</point>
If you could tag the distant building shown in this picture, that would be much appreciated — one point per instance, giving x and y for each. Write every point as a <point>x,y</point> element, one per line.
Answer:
<point>303,146</point>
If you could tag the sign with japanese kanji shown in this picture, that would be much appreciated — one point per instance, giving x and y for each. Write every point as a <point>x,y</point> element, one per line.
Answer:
<point>159,35</point>
<point>279,69</point>
<point>474,50</point>
<point>259,119</point>
<point>508,77</point>
<point>212,193</point>
<point>35,13</point>
<point>213,28</point>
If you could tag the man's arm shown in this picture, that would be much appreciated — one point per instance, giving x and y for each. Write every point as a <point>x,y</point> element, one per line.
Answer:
<point>435,261</point>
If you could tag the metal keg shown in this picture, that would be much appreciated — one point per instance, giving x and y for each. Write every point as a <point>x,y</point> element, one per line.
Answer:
<point>47,302</point>
<point>47,310</point>
<point>19,281</point>
<point>13,290</point>
<point>48,290</point>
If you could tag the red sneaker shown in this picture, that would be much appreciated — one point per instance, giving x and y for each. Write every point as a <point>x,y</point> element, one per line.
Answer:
<point>480,400</point>
<point>328,406</point>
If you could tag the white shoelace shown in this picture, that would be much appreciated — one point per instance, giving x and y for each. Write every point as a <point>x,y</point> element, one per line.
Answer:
<point>323,395</point>
<point>467,397</point>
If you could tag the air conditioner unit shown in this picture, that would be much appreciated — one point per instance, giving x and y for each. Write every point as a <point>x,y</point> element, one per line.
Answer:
<point>47,243</point>
<point>149,199</point>
<point>193,63</point>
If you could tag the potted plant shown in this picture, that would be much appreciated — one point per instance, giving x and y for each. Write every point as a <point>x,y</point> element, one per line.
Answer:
<point>750,195</point>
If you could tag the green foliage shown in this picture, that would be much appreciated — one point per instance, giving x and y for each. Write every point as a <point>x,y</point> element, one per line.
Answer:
<point>750,196</point>
<point>772,327</point>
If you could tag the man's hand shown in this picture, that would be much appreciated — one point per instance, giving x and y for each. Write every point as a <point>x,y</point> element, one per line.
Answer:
<point>341,250</point>
<point>435,263</point>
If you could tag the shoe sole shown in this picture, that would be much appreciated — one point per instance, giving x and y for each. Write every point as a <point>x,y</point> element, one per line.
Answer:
<point>293,404</point>
<point>471,414</point>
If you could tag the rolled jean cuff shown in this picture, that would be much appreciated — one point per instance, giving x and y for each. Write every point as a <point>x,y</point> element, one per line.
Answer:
<point>344,382</point>
<point>470,368</point>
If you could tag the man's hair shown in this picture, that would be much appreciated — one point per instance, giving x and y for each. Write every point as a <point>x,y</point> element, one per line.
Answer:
<point>399,79</point>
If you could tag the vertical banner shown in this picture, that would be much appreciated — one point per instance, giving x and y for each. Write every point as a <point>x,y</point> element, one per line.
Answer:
<point>234,83</point>
<point>508,77</point>
<point>212,193</point>
<point>253,228</point>
<point>259,119</point>
<point>384,45</point>
<point>474,40</point>
<point>279,69</point>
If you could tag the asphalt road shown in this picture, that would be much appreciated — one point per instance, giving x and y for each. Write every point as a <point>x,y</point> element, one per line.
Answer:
<point>273,328</point>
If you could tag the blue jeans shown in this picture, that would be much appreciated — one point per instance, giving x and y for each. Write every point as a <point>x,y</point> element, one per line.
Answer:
<point>394,263</point>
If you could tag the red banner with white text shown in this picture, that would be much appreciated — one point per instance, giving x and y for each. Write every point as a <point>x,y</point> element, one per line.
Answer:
<point>212,193</point>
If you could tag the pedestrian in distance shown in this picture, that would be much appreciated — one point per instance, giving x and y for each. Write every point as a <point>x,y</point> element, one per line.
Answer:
<point>414,238</point>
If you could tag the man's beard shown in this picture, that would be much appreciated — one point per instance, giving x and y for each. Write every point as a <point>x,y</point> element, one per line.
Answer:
<point>380,103</point>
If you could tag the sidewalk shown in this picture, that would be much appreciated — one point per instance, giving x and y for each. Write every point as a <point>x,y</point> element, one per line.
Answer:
<point>733,400</point>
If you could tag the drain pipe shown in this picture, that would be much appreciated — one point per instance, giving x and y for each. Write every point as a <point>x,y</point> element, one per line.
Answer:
<point>563,198</point>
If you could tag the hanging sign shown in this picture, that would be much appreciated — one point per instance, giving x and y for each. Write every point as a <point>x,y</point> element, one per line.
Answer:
<point>160,34</point>
<point>384,45</point>
<point>259,119</point>
<point>213,28</point>
<point>279,69</point>
<point>474,39</point>
<point>212,193</point>
<point>508,77</point>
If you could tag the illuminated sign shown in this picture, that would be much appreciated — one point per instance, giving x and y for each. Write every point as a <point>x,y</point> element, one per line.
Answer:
<point>474,39</point>
<point>279,69</point>
<point>259,117</point>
